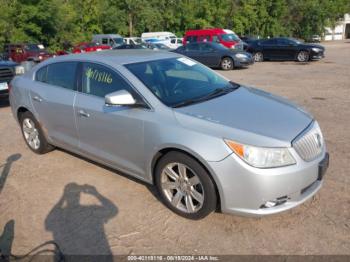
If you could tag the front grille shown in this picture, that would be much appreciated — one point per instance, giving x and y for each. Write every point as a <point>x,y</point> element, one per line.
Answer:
<point>309,145</point>
<point>6,74</point>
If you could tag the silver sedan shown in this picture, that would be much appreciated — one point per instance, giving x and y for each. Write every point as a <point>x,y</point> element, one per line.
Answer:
<point>205,142</point>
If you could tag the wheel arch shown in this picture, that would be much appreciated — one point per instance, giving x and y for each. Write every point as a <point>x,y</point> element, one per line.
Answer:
<point>162,152</point>
<point>20,111</point>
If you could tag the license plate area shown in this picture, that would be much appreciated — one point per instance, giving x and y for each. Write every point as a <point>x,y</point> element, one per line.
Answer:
<point>3,86</point>
<point>323,166</point>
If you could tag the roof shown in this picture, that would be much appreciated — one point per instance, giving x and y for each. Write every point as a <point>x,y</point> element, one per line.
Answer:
<point>205,31</point>
<point>118,57</point>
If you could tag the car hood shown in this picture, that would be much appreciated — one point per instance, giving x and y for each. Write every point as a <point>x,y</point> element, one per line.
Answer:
<point>247,115</point>
<point>313,45</point>
<point>4,63</point>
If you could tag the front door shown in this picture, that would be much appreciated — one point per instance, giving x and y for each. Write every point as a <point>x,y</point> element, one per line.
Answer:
<point>112,135</point>
<point>286,49</point>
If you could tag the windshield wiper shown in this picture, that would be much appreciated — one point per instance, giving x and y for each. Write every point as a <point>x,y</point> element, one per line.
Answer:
<point>217,92</point>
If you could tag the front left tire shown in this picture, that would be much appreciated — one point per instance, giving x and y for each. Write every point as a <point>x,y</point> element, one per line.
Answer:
<point>303,56</point>
<point>227,63</point>
<point>185,186</point>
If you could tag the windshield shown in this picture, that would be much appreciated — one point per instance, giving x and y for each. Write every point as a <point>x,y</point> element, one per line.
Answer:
<point>229,37</point>
<point>32,47</point>
<point>298,41</point>
<point>118,40</point>
<point>179,81</point>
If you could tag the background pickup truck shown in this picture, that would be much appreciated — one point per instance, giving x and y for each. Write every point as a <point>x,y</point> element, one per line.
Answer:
<point>26,52</point>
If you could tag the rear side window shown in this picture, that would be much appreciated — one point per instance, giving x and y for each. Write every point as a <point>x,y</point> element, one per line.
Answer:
<point>215,39</point>
<point>62,74</point>
<point>99,80</point>
<point>191,39</point>
<point>105,41</point>
<point>41,75</point>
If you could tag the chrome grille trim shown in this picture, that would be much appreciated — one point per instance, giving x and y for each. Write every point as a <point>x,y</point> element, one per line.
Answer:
<point>310,144</point>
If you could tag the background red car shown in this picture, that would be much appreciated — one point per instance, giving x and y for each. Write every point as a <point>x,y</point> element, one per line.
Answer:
<point>26,52</point>
<point>225,37</point>
<point>89,47</point>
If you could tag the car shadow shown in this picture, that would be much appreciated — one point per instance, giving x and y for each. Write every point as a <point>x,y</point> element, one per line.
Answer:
<point>78,229</point>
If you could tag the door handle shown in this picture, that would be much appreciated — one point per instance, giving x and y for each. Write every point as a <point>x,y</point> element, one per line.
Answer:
<point>36,98</point>
<point>83,113</point>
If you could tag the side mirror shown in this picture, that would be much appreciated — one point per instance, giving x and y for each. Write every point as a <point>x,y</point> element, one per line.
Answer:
<point>120,98</point>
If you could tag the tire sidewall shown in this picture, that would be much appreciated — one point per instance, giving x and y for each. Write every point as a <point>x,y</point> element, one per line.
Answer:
<point>210,195</point>
<point>307,56</point>
<point>232,63</point>
<point>44,145</point>
<point>261,55</point>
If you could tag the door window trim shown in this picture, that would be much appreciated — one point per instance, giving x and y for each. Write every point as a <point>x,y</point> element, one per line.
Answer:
<point>75,89</point>
<point>134,90</point>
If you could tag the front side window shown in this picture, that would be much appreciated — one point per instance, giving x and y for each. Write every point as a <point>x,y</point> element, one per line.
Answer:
<point>179,81</point>
<point>62,74</point>
<point>191,39</point>
<point>193,47</point>
<point>99,80</point>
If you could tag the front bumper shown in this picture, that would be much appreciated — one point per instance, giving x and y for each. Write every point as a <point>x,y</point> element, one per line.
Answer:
<point>244,189</point>
<point>316,55</point>
<point>244,62</point>
<point>4,93</point>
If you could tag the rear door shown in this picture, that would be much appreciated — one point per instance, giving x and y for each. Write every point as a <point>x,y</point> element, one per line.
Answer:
<point>109,134</point>
<point>208,55</point>
<point>53,98</point>
<point>192,51</point>
<point>270,48</point>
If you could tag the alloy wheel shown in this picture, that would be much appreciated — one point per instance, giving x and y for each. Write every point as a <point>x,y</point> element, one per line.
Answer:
<point>258,57</point>
<point>182,187</point>
<point>303,56</point>
<point>226,64</point>
<point>31,133</point>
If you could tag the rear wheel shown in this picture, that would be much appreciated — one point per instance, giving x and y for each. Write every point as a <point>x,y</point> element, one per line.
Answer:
<point>33,134</point>
<point>227,63</point>
<point>258,57</point>
<point>303,56</point>
<point>185,186</point>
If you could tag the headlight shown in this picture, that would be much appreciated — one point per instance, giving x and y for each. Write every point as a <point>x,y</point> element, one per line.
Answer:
<point>262,157</point>
<point>241,56</point>
<point>19,70</point>
<point>315,49</point>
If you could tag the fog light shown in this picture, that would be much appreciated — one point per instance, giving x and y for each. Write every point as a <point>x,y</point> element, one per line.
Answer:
<point>272,203</point>
<point>269,204</point>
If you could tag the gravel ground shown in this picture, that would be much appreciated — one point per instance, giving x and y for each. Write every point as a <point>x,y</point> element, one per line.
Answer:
<point>51,197</point>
